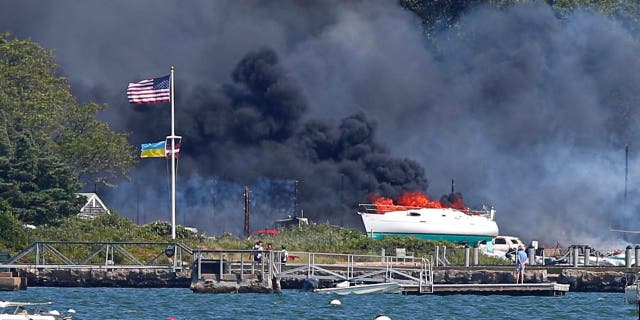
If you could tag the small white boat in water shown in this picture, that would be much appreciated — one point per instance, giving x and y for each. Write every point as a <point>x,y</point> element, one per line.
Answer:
<point>344,288</point>
<point>10,310</point>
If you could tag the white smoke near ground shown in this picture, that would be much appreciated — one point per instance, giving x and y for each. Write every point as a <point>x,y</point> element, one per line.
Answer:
<point>526,111</point>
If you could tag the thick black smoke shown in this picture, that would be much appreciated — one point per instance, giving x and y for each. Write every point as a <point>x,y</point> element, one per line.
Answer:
<point>252,132</point>
<point>526,111</point>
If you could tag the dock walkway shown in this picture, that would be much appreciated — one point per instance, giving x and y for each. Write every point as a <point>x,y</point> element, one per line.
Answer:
<point>119,264</point>
<point>527,289</point>
<point>414,275</point>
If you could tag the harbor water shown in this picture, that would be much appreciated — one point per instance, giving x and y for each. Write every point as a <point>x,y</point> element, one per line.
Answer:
<point>182,304</point>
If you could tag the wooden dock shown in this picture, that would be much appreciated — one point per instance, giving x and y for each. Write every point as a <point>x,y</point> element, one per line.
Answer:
<point>527,289</point>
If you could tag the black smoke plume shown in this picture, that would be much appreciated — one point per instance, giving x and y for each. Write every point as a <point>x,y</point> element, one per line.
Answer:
<point>252,132</point>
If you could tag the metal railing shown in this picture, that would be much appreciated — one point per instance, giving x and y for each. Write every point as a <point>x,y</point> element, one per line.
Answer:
<point>107,254</point>
<point>354,268</point>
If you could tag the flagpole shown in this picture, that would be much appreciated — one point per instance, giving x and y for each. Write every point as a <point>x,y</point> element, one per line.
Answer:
<point>173,162</point>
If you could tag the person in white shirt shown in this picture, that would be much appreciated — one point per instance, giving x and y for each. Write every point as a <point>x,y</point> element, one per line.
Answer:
<point>284,255</point>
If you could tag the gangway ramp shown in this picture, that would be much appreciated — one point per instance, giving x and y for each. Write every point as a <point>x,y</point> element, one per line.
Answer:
<point>359,269</point>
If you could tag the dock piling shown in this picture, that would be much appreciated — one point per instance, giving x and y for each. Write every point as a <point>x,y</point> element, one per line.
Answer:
<point>466,255</point>
<point>587,254</point>
<point>476,259</point>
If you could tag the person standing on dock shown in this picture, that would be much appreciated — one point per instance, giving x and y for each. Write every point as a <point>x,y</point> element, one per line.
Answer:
<point>284,255</point>
<point>257,251</point>
<point>521,261</point>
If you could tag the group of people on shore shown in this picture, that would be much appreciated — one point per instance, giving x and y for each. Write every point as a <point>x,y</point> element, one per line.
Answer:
<point>259,251</point>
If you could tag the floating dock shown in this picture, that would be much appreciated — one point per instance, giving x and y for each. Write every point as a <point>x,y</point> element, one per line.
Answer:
<point>527,289</point>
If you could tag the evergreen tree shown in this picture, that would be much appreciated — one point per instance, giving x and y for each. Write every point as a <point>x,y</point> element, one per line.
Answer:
<point>48,143</point>
<point>13,234</point>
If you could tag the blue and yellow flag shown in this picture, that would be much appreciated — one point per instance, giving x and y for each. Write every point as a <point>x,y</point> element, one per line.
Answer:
<point>152,150</point>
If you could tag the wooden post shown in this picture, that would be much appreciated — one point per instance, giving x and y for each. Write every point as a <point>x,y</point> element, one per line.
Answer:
<point>247,229</point>
<point>199,265</point>
<point>241,266</point>
<point>221,255</point>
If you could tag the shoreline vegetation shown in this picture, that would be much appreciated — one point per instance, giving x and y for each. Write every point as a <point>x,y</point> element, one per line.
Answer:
<point>310,238</point>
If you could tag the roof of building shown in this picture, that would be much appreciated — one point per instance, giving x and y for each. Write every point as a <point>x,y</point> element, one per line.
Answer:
<point>93,207</point>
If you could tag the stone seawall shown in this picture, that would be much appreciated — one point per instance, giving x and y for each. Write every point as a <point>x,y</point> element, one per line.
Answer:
<point>127,278</point>
<point>594,281</point>
<point>579,279</point>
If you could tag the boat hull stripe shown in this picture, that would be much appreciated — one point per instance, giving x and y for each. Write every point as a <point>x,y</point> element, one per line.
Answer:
<point>435,237</point>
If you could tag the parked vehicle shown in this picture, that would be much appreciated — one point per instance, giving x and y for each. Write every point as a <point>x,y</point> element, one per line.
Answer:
<point>506,243</point>
<point>502,247</point>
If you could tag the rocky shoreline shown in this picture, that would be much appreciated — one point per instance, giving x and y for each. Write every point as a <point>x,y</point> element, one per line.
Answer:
<point>612,279</point>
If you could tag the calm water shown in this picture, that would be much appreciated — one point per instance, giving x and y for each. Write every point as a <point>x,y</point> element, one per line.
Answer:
<point>182,304</point>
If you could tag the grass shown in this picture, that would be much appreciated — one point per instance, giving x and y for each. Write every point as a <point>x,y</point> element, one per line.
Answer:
<point>311,238</point>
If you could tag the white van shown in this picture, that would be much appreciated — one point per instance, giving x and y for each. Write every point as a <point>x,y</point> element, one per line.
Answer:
<point>506,243</point>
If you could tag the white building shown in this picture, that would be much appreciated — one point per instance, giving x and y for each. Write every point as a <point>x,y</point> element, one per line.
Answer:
<point>93,208</point>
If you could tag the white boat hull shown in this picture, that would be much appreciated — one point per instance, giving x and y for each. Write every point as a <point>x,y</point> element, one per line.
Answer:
<point>444,224</point>
<point>10,310</point>
<point>390,287</point>
<point>27,317</point>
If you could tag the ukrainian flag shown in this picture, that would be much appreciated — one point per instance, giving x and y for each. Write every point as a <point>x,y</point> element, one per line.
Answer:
<point>152,150</point>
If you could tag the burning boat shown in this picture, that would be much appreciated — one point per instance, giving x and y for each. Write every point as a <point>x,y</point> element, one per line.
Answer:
<point>417,216</point>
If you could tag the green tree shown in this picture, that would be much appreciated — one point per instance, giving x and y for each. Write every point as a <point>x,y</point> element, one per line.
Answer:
<point>38,185</point>
<point>47,141</point>
<point>445,14</point>
<point>98,154</point>
<point>12,235</point>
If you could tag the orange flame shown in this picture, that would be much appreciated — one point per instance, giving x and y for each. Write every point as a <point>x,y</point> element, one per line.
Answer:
<point>458,204</point>
<point>412,200</point>
<point>417,199</point>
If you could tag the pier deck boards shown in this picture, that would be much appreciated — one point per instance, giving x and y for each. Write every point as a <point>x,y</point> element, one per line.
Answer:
<point>527,289</point>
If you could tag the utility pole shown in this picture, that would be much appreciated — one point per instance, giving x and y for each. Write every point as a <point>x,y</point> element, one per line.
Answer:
<point>247,230</point>
<point>626,174</point>
<point>295,198</point>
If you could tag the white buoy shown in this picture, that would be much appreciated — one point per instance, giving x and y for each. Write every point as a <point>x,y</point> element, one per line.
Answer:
<point>335,302</point>
<point>381,317</point>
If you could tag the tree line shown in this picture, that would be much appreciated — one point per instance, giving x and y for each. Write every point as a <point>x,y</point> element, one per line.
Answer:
<point>49,143</point>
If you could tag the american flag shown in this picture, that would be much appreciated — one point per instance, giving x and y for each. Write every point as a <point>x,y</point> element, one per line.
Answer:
<point>150,90</point>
